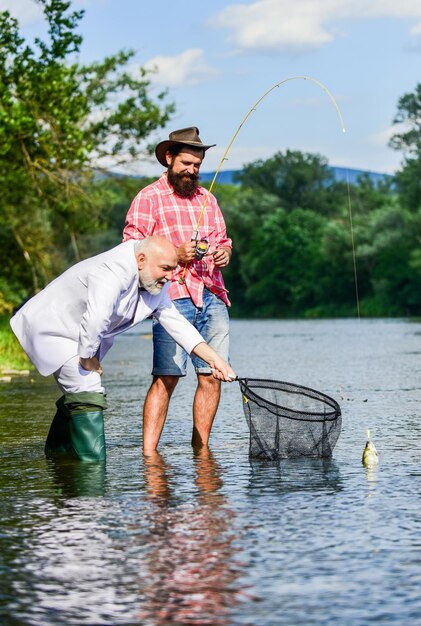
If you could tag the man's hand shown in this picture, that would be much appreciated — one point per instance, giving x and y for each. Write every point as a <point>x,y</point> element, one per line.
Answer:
<point>222,371</point>
<point>186,252</point>
<point>91,365</point>
<point>222,257</point>
<point>220,368</point>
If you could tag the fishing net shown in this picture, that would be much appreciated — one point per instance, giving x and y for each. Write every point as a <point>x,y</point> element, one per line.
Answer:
<point>289,421</point>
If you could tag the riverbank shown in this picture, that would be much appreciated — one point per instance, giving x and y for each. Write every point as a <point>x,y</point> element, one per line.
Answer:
<point>13,360</point>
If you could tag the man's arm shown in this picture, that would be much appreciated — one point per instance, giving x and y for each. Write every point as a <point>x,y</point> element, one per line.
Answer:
<point>91,365</point>
<point>222,257</point>
<point>220,368</point>
<point>103,292</point>
<point>191,340</point>
<point>186,252</point>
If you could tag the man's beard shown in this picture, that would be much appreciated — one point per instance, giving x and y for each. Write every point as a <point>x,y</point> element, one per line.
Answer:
<point>184,184</point>
<point>154,287</point>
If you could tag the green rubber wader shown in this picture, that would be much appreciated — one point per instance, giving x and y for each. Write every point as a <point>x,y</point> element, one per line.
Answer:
<point>77,429</point>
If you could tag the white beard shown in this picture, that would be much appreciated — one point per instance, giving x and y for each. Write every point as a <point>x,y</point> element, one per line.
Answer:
<point>154,287</point>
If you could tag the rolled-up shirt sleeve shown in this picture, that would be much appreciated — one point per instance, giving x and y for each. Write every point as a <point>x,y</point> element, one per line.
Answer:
<point>177,326</point>
<point>140,219</point>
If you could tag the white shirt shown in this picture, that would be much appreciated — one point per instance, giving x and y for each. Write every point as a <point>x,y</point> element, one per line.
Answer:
<point>81,311</point>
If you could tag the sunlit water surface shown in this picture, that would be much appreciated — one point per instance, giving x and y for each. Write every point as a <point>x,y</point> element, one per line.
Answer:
<point>215,538</point>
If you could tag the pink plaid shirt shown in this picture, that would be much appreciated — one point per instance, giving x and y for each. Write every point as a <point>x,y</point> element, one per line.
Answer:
<point>158,210</point>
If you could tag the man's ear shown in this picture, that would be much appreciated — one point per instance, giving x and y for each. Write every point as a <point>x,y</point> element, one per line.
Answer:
<point>168,157</point>
<point>141,260</point>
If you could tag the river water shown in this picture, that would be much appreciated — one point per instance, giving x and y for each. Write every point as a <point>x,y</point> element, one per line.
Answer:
<point>217,539</point>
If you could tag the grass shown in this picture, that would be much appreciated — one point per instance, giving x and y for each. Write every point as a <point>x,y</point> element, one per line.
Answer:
<point>12,357</point>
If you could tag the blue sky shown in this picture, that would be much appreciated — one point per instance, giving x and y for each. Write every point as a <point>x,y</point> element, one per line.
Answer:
<point>218,58</point>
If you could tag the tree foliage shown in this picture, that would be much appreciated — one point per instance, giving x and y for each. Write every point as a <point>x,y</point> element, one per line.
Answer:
<point>60,122</point>
<point>409,116</point>
<point>408,179</point>
<point>298,179</point>
<point>296,250</point>
<point>293,243</point>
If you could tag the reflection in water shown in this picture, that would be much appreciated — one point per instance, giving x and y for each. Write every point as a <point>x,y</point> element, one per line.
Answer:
<point>156,478</point>
<point>72,479</point>
<point>371,477</point>
<point>190,568</point>
<point>61,553</point>
<point>294,475</point>
<point>322,542</point>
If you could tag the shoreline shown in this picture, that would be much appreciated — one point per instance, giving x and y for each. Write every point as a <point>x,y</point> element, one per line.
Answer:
<point>7,374</point>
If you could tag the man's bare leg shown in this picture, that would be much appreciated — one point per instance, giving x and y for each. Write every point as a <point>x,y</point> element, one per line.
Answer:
<point>205,405</point>
<point>155,409</point>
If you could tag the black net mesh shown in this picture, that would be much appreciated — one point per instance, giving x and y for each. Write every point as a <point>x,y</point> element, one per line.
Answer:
<point>289,421</point>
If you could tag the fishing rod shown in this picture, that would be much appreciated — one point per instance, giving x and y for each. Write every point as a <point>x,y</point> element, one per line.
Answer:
<point>251,110</point>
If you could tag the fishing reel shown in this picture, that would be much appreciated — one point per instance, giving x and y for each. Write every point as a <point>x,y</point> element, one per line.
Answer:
<point>202,247</point>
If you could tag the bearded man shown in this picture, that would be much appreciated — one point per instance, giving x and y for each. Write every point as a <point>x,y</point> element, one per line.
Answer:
<point>178,208</point>
<point>67,328</point>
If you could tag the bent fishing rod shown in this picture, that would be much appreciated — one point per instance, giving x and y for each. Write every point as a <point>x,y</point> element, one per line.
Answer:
<point>224,156</point>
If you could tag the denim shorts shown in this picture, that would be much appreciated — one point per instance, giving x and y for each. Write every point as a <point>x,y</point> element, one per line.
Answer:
<point>212,322</point>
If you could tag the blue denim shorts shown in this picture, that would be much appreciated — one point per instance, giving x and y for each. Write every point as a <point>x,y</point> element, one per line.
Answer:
<point>212,322</point>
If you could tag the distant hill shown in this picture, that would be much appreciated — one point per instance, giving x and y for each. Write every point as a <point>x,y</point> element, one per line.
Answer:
<point>341,174</point>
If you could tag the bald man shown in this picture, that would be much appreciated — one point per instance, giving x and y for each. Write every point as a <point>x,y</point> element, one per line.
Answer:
<point>69,326</point>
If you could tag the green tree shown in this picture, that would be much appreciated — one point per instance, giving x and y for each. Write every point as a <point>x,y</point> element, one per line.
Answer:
<point>114,194</point>
<point>289,260</point>
<point>299,180</point>
<point>408,184</point>
<point>244,211</point>
<point>60,122</point>
<point>406,270</point>
<point>388,251</point>
<point>408,141</point>
<point>282,262</point>
<point>409,115</point>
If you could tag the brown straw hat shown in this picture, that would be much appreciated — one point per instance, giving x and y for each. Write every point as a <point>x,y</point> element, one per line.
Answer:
<point>185,137</point>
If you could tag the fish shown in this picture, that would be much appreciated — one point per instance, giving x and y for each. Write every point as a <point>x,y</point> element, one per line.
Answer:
<point>370,455</point>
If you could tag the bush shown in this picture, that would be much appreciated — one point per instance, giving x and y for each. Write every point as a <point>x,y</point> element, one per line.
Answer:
<point>11,354</point>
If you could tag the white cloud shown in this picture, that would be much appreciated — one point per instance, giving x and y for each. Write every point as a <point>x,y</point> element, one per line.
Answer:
<point>304,25</point>
<point>187,68</point>
<point>416,30</point>
<point>26,11</point>
<point>415,41</point>
<point>30,11</point>
<point>237,157</point>
<point>275,25</point>
<point>382,137</point>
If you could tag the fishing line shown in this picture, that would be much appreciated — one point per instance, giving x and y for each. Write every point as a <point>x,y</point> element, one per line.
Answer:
<point>224,158</point>
<point>354,258</point>
<point>253,108</point>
